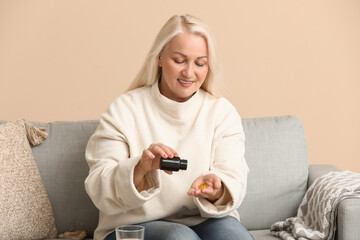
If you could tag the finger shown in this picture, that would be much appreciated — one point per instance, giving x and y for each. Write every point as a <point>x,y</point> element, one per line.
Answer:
<point>173,152</point>
<point>146,161</point>
<point>204,193</point>
<point>212,184</point>
<point>157,150</point>
<point>169,151</point>
<point>213,181</point>
<point>209,183</point>
<point>197,183</point>
<point>148,154</point>
<point>198,191</point>
<point>191,191</point>
<point>217,183</point>
<point>168,172</point>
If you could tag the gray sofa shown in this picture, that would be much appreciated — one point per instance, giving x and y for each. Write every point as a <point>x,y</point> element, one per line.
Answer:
<point>275,152</point>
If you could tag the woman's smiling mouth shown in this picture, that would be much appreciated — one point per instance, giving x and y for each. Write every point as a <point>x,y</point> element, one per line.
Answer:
<point>185,83</point>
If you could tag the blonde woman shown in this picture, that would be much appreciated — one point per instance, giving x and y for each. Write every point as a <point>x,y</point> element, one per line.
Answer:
<point>171,110</point>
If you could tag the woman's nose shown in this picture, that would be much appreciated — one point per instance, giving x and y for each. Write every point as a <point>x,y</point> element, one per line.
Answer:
<point>188,71</point>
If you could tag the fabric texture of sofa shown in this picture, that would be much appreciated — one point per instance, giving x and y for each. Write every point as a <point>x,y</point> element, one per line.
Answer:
<point>275,152</point>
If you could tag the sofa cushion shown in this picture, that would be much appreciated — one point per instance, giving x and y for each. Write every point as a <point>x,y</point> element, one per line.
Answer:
<point>276,153</point>
<point>25,210</point>
<point>263,235</point>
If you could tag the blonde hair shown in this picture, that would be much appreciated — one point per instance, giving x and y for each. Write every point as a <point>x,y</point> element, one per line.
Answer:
<point>150,71</point>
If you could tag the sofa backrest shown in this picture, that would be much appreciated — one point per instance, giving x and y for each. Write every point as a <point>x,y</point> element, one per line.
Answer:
<point>275,152</point>
<point>63,168</point>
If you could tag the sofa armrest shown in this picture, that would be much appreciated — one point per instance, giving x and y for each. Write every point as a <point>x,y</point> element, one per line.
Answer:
<point>348,219</point>
<point>348,212</point>
<point>317,170</point>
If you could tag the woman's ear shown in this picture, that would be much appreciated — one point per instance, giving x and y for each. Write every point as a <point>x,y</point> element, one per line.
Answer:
<point>160,61</point>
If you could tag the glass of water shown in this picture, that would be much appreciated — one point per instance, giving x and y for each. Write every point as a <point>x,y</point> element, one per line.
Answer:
<point>130,232</point>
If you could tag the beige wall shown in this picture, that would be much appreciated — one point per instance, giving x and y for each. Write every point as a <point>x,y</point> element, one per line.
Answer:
<point>67,60</point>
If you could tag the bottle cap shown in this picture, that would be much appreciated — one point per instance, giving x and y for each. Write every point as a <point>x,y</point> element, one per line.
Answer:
<point>183,164</point>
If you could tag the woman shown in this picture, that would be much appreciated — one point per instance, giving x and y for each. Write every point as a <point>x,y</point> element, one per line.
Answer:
<point>170,110</point>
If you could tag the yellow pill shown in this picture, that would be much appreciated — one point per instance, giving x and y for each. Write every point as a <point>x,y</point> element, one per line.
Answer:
<point>201,186</point>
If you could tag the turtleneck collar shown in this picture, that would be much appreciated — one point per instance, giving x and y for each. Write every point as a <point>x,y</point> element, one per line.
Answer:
<point>178,110</point>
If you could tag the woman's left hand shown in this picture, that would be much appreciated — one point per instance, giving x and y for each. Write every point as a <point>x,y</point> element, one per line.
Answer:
<point>207,186</point>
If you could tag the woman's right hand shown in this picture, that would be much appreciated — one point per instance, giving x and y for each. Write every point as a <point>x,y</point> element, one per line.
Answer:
<point>150,160</point>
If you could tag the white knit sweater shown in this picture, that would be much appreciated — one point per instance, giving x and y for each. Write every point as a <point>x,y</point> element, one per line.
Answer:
<point>204,130</point>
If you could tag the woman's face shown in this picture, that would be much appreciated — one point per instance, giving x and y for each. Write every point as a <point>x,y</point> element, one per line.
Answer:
<point>184,62</point>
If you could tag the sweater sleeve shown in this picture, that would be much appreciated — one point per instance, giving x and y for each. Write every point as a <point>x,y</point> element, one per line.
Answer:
<point>110,180</point>
<point>228,164</point>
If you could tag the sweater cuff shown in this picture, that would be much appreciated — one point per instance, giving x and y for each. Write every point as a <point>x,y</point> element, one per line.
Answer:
<point>126,189</point>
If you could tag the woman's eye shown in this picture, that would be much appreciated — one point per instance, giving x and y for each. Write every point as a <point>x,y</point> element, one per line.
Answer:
<point>179,61</point>
<point>200,64</point>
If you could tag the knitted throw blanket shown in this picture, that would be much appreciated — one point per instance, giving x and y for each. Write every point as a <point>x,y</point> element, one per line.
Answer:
<point>316,216</point>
